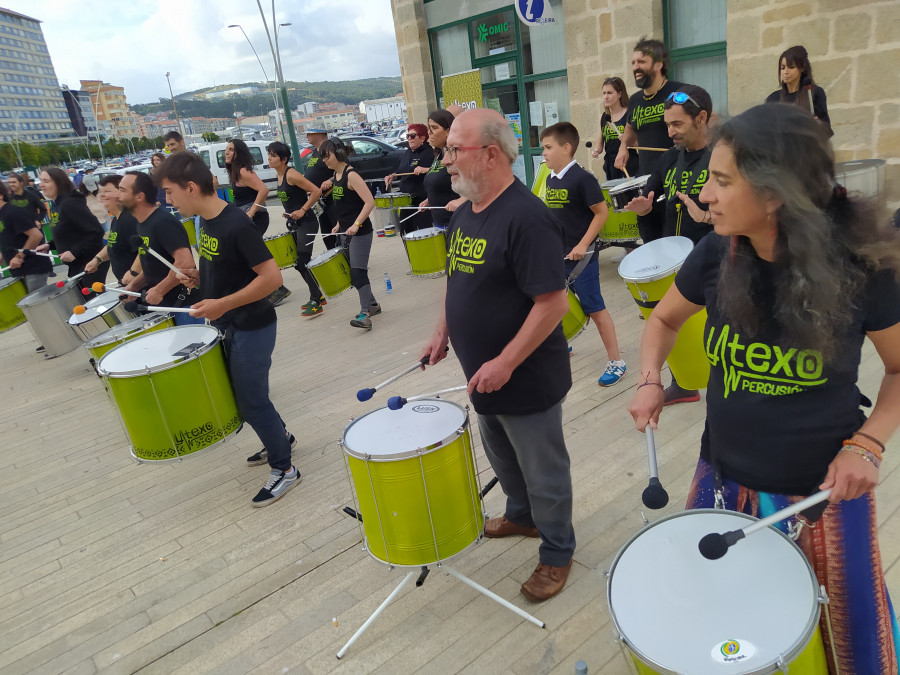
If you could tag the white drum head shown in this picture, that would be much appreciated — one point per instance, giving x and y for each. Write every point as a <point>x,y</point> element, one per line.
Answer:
<point>424,233</point>
<point>629,183</point>
<point>324,257</point>
<point>88,315</point>
<point>386,434</point>
<point>107,299</point>
<point>117,333</point>
<point>682,613</point>
<point>157,350</point>
<point>655,260</point>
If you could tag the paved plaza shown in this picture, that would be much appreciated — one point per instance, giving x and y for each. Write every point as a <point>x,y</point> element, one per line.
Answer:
<point>113,566</point>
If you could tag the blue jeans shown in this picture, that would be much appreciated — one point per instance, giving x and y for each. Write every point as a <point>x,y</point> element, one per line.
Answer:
<point>529,456</point>
<point>249,359</point>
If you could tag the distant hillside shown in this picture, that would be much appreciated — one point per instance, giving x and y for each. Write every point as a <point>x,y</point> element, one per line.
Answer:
<point>350,92</point>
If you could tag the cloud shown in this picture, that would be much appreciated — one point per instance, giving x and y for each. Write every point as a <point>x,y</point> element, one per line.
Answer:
<point>133,44</point>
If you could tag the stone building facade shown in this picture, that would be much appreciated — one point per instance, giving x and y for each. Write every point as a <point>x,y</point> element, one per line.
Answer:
<point>854,47</point>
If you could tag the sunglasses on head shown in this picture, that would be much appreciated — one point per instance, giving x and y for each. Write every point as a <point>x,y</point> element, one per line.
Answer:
<point>681,98</point>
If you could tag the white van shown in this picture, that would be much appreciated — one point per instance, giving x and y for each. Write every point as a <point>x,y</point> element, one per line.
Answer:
<point>214,156</point>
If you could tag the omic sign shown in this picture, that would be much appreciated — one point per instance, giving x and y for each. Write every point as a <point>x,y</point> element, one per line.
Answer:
<point>534,12</point>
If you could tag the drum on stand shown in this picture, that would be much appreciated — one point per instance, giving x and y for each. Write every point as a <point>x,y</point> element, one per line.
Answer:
<point>48,310</point>
<point>625,191</point>
<point>127,330</point>
<point>283,248</point>
<point>753,611</point>
<point>648,273</point>
<point>12,290</point>
<point>172,390</point>
<point>416,482</point>
<point>427,252</point>
<point>101,313</point>
<point>619,225</point>
<point>332,271</point>
<point>386,214</point>
<point>575,320</point>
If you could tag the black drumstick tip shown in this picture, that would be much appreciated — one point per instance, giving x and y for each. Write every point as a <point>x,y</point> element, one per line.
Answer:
<point>713,546</point>
<point>365,394</point>
<point>133,306</point>
<point>655,495</point>
<point>588,144</point>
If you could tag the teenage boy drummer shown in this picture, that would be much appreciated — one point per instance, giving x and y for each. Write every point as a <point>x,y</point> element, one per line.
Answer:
<point>576,199</point>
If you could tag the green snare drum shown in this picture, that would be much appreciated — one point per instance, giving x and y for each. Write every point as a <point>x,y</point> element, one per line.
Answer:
<point>416,482</point>
<point>115,336</point>
<point>172,390</point>
<point>11,291</point>
<point>619,225</point>
<point>283,248</point>
<point>332,271</point>
<point>391,200</point>
<point>427,252</point>
<point>575,320</point>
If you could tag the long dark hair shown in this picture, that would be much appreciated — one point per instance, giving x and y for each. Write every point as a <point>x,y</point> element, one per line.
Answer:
<point>64,186</point>
<point>826,244</point>
<point>796,57</point>
<point>618,84</point>
<point>240,160</point>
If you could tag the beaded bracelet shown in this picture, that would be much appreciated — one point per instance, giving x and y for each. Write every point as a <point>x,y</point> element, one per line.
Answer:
<point>865,446</point>
<point>658,384</point>
<point>865,454</point>
<point>871,438</point>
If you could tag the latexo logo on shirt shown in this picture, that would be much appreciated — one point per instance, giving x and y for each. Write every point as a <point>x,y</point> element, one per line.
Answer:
<point>465,252</point>
<point>337,192</point>
<point>759,368</point>
<point>282,196</point>
<point>209,246</point>
<point>683,183</point>
<point>557,198</point>
<point>644,115</point>
<point>111,238</point>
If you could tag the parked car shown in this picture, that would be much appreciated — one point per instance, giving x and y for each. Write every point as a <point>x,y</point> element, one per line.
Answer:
<point>214,156</point>
<point>373,158</point>
<point>395,136</point>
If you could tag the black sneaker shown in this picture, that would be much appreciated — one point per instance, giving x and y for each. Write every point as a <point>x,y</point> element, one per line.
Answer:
<point>40,349</point>
<point>262,457</point>
<point>374,309</point>
<point>276,486</point>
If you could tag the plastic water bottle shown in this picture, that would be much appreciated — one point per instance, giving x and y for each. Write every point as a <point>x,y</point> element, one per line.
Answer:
<point>387,284</point>
<point>581,668</point>
<point>378,191</point>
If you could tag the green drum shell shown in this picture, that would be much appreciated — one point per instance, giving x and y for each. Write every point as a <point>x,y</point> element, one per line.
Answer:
<point>332,271</point>
<point>192,400</point>
<point>283,248</point>
<point>11,291</point>
<point>191,229</point>
<point>427,254</point>
<point>110,339</point>
<point>619,225</point>
<point>575,320</point>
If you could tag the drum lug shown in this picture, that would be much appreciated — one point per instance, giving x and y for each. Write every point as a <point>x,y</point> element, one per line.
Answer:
<point>643,295</point>
<point>643,518</point>
<point>823,596</point>
<point>781,665</point>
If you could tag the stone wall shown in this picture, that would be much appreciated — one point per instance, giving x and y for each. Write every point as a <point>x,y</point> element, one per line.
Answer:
<point>854,48</point>
<point>415,57</point>
<point>600,37</point>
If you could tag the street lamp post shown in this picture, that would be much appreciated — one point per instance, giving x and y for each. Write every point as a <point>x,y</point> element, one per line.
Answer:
<point>265,75</point>
<point>97,122</point>
<point>276,57</point>
<point>174,107</point>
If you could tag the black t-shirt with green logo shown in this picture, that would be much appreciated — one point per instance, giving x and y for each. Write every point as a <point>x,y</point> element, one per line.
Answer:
<point>31,203</point>
<point>439,190</point>
<point>677,171</point>
<point>15,222</point>
<point>776,413</point>
<point>646,118</point>
<point>498,261</point>
<point>348,204</point>
<point>570,198</point>
<point>165,234</point>
<point>230,247</point>
<point>611,143</point>
<point>121,251</point>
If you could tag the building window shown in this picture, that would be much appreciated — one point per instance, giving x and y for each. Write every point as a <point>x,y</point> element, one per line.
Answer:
<point>695,35</point>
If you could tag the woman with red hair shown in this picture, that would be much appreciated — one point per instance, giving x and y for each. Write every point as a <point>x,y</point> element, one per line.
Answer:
<point>416,162</point>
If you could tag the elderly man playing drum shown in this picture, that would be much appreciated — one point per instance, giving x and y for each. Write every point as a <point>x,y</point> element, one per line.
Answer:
<point>237,274</point>
<point>504,302</point>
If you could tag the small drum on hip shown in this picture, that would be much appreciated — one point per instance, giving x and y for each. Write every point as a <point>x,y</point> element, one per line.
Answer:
<point>753,611</point>
<point>627,190</point>
<point>332,271</point>
<point>427,252</point>
<point>620,225</point>
<point>12,290</point>
<point>416,482</point>
<point>648,273</point>
<point>283,248</point>
<point>172,390</point>
<point>48,310</point>
<point>575,320</point>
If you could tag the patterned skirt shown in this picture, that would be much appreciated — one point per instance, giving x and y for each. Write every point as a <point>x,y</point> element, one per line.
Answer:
<point>842,548</point>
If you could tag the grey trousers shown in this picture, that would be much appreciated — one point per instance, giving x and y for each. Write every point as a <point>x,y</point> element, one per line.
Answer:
<point>35,281</point>
<point>529,456</point>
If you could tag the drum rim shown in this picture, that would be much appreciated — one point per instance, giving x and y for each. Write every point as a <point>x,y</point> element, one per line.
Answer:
<point>629,183</point>
<point>95,301</point>
<point>6,282</point>
<point>409,454</point>
<point>43,296</point>
<point>278,236</point>
<point>435,232</point>
<point>154,319</point>
<point>86,317</point>
<point>126,374</point>
<point>663,272</point>
<point>800,644</point>
<point>330,253</point>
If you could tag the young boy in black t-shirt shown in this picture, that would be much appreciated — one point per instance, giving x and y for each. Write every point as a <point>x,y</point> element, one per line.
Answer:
<point>237,274</point>
<point>576,199</point>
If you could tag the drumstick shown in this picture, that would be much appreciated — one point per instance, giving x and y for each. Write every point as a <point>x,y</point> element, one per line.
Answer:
<point>136,241</point>
<point>31,251</point>
<point>654,495</point>
<point>714,545</point>
<point>397,402</point>
<point>638,147</point>
<point>133,305</point>
<point>407,208</point>
<point>98,287</point>
<point>366,394</point>
<point>62,282</point>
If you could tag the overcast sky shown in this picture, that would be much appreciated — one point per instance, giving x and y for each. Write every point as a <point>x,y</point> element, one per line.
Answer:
<point>132,43</point>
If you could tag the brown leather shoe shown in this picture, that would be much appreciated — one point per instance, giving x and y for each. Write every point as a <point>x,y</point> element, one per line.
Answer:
<point>545,582</point>
<point>495,528</point>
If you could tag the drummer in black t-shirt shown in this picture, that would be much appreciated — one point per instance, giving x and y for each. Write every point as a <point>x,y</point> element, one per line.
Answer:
<point>794,279</point>
<point>612,126</point>
<point>18,231</point>
<point>505,300</point>
<point>119,250</point>
<point>237,274</point>
<point>415,161</point>
<point>162,232</point>
<point>437,181</point>
<point>317,173</point>
<point>30,200</point>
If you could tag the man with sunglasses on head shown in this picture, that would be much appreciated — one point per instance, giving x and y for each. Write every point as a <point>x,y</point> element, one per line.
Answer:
<point>677,179</point>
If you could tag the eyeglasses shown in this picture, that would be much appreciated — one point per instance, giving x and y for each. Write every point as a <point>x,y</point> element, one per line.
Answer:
<point>412,135</point>
<point>681,98</point>
<point>451,151</point>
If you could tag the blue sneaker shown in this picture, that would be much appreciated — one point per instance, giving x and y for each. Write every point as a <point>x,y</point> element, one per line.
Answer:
<point>615,371</point>
<point>277,486</point>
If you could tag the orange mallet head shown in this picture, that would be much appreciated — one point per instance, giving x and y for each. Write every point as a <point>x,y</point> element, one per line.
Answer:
<point>79,309</point>
<point>97,286</point>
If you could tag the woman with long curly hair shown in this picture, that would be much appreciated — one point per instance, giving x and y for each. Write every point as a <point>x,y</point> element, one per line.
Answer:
<point>250,193</point>
<point>795,277</point>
